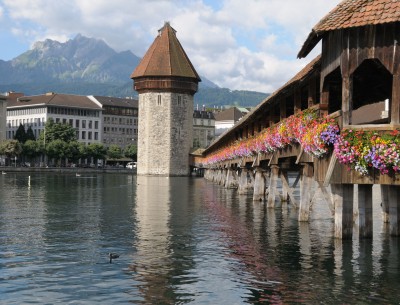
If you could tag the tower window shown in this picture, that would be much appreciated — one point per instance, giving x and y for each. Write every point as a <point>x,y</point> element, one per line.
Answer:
<point>159,99</point>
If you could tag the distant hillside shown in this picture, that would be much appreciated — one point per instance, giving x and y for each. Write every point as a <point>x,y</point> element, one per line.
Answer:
<point>88,66</point>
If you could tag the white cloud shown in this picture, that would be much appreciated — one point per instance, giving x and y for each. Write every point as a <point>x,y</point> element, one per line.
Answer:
<point>250,46</point>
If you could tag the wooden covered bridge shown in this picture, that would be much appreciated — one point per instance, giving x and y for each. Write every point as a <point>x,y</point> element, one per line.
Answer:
<point>335,123</point>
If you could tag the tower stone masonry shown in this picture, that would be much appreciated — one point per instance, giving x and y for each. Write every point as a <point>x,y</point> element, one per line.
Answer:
<point>166,82</point>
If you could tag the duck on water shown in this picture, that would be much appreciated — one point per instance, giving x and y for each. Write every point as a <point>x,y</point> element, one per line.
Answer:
<point>112,256</point>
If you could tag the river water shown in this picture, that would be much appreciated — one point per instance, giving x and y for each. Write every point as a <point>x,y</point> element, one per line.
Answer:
<point>180,240</point>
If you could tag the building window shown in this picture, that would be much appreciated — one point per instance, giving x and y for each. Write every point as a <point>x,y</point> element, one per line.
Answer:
<point>96,135</point>
<point>179,100</point>
<point>89,135</point>
<point>90,124</point>
<point>159,99</point>
<point>77,123</point>
<point>83,135</point>
<point>83,123</point>
<point>96,124</point>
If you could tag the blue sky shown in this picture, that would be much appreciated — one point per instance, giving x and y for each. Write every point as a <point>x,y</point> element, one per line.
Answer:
<point>243,45</point>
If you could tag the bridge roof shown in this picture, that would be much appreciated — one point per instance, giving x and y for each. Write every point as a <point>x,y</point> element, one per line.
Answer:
<point>165,57</point>
<point>352,13</point>
<point>297,79</point>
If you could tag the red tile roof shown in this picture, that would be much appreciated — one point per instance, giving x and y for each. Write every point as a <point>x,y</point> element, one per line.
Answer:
<point>165,57</point>
<point>352,13</point>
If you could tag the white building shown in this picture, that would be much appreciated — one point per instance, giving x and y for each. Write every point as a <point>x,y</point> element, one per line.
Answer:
<point>90,116</point>
<point>3,117</point>
<point>78,111</point>
<point>225,119</point>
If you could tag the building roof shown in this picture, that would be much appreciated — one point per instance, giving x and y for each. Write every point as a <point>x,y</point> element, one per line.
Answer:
<point>201,114</point>
<point>117,102</point>
<point>165,57</point>
<point>54,99</point>
<point>352,13</point>
<point>230,114</point>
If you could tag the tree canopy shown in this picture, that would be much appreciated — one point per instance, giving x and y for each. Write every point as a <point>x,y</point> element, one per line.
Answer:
<point>131,151</point>
<point>57,131</point>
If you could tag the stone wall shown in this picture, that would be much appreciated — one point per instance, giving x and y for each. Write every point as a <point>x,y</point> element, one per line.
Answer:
<point>165,133</point>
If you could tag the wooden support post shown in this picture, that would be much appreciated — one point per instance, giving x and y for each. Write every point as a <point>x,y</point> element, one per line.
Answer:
<point>395,104</point>
<point>365,210</point>
<point>394,210</point>
<point>251,176</point>
<point>343,199</point>
<point>230,179</point>
<point>223,176</point>
<point>347,100</point>
<point>385,202</point>
<point>305,191</point>
<point>327,196</point>
<point>220,174</point>
<point>259,185</point>
<point>324,105</point>
<point>273,186</point>
<point>285,186</point>
<point>243,182</point>
<point>312,92</point>
<point>297,100</point>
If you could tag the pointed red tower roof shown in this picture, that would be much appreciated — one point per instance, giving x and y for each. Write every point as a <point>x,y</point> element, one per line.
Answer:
<point>165,57</point>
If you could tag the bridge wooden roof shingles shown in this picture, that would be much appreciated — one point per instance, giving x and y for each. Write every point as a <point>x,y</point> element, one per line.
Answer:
<point>349,14</point>
<point>165,57</point>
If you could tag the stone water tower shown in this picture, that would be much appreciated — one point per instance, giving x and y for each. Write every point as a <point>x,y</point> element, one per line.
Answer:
<point>166,82</point>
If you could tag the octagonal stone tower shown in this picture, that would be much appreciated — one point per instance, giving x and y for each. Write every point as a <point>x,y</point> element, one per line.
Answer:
<point>166,82</point>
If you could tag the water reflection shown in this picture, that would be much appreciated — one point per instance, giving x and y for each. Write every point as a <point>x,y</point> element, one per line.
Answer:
<point>180,240</point>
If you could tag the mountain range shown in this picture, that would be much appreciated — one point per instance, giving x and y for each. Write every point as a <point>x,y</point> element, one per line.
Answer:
<point>88,66</point>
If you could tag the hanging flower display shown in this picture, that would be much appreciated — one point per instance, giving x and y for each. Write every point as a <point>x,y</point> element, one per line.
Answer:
<point>303,128</point>
<point>364,150</point>
<point>358,149</point>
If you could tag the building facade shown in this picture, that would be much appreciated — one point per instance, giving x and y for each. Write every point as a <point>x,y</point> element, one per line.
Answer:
<point>226,119</point>
<point>203,128</point>
<point>34,111</point>
<point>119,120</point>
<point>3,117</point>
<point>166,82</point>
<point>95,119</point>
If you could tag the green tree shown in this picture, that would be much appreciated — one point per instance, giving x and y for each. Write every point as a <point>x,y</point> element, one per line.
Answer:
<point>57,131</point>
<point>114,152</point>
<point>20,134</point>
<point>73,151</point>
<point>31,149</point>
<point>10,148</point>
<point>84,151</point>
<point>29,134</point>
<point>57,149</point>
<point>97,151</point>
<point>131,152</point>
